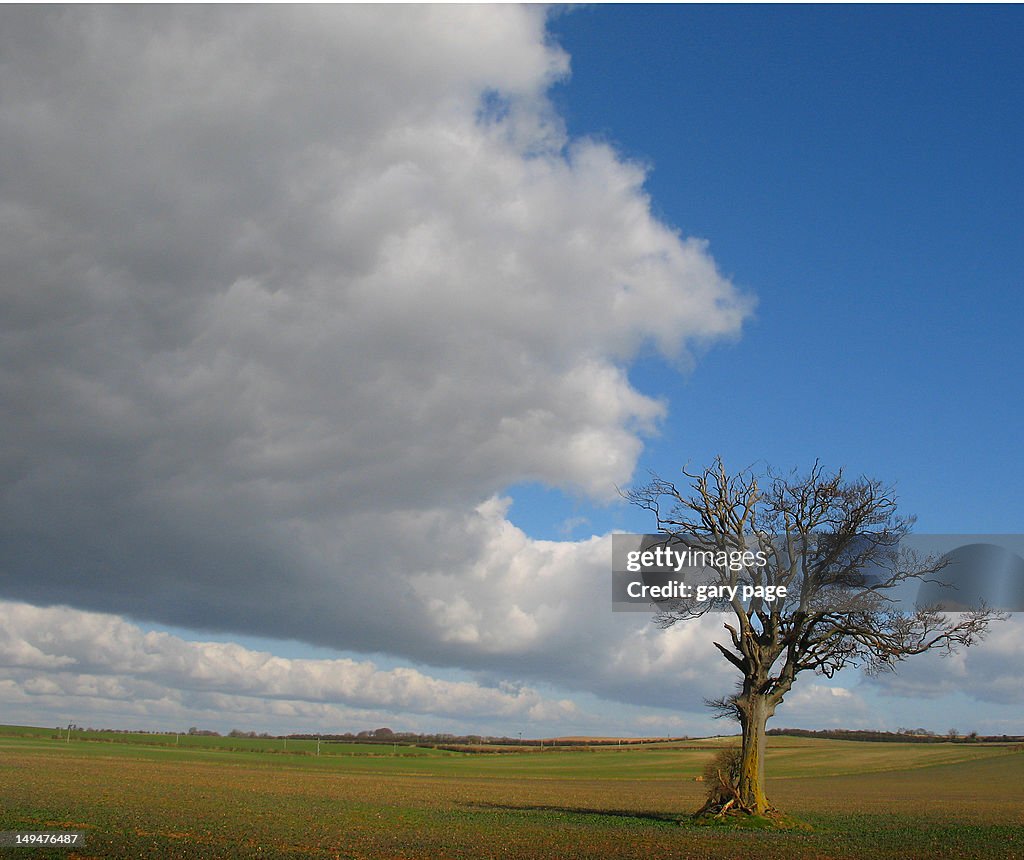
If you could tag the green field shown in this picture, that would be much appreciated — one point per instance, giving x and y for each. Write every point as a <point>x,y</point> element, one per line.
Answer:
<point>143,796</point>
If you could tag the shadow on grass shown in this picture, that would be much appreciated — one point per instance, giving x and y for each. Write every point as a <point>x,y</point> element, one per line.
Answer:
<point>659,817</point>
<point>774,821</point>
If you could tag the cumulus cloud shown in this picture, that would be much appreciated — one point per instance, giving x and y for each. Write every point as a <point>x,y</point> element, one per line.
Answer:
<point>989,672</point>
<point>814,705</point>
<point>101,660</point>
<point>291,295</point>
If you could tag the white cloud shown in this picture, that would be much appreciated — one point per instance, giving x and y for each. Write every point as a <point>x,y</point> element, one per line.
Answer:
<point>674,725</point>
<point>988,672</point>
<point>100,661</point>
<point>290,294</point>
<point>815,705</point>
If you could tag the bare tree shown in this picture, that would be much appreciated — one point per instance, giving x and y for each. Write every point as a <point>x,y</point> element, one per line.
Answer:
<point>835,546</point>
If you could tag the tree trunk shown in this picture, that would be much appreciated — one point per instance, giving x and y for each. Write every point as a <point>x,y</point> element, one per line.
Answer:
<point>754,714</point>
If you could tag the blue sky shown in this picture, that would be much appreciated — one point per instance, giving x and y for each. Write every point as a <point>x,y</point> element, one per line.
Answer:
<point>858,169</point>
<point>322,376</point>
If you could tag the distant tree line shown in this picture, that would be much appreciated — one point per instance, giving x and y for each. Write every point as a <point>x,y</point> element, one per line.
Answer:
<point>901,735</point>
<point>444,739</point>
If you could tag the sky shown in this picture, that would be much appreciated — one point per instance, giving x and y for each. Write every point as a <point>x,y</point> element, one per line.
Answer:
<point>330,334</point>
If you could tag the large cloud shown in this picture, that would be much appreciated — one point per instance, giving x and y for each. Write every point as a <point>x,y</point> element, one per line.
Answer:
<point>67,655</point>
<point>290,295</point>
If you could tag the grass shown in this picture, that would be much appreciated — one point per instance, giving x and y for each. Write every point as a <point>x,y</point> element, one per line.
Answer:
<point>136,799</point>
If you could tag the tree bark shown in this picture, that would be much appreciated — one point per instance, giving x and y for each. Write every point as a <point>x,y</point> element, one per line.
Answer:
<point>754,713</point>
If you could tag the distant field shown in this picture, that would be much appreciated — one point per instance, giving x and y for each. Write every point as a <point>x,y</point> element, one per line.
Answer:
<point>213,742</point>
<point>139,798</point>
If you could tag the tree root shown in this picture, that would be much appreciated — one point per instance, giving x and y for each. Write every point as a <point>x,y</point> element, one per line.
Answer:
<point>723,799</point>
<point>717,808</point>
